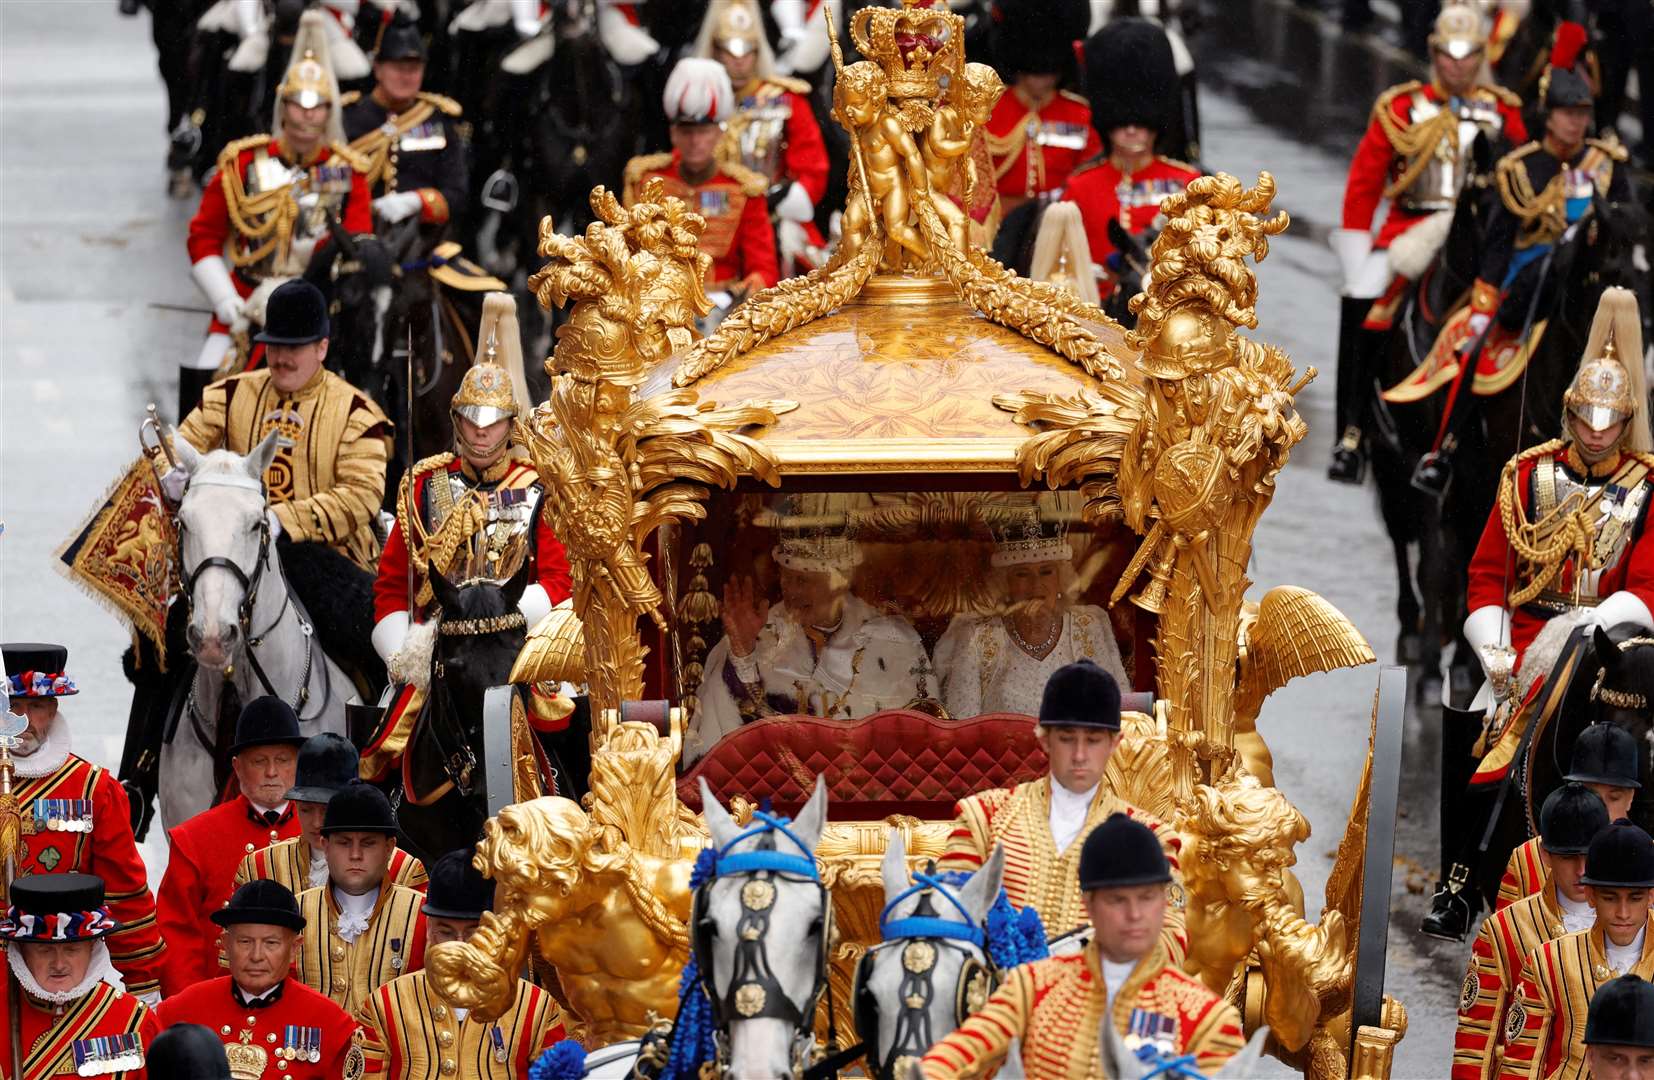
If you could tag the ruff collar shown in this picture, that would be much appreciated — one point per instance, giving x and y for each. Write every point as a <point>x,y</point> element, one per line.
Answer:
<point>51,755</point>
<point>100,970</point>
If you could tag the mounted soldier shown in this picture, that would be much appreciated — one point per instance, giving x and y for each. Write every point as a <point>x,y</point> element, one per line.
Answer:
<point>1124,978</point>
<point>408,139</point>
<point>1417,153</point>
<point>1565,546</point>
<point>1131,78</point>
<point>773,130</point>
<point>703,171</point>
<point>75,816</point>
<point>1038,133</point>
<point>472,512</point>
<point>270,203</point>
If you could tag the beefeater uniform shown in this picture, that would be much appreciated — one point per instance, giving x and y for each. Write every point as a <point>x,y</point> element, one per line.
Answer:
<point>97,1031</point>
<point>1036,873</point>
<point>1035,149</point>
<point>348,971</point>
<point>295,1034</point>
<point>1490,986</point>
<point>199,879</point>
<point>419,149</point>
<point>1545,1027</point>
<point>738,234</point>
<point>287,863</point>
<point>328,486</point>
<point>76,819</point>
<point>410,1033</point>
<point>1056,1008</point>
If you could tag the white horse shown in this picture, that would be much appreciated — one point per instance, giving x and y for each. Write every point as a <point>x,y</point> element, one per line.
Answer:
<point>244,627</point>
<point>932,969</point>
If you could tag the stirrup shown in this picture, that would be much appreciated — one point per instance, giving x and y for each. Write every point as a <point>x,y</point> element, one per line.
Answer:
<point>1433,474</point>
<point>1450,907</point>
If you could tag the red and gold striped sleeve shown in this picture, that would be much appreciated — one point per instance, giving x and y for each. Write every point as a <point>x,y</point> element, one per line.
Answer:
<point>1483,998</point>
<point>1216,1037</point>
<point>407,870</point>
<point>978,1046</point>
<point>1527,1027</point>
<point>1523,875</point>
<point>972,837</point>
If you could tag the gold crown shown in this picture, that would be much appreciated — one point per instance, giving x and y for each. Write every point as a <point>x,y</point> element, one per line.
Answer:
<point>246,1060</point>
<point>915,44</point>
<point>1025,539</point>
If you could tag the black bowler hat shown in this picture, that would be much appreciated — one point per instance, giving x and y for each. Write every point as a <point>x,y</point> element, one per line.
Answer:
<point>187,1052</point>
<point>37,670</point>
<point>401,40</point>
<point>269,903</point>
<point>56,907</point>
<point>1564,89</point>
<point>1620,857</point>
<point>1080,694</point>
<point>1622,1013</point>
<point>1571,817</point>
<point>1122,852</point>
<point>327,762</point>
<point>457,889</point>
<point>266,721</point>
<point>1604,754</point>
<point>359,807</point>
<point>296,314</point>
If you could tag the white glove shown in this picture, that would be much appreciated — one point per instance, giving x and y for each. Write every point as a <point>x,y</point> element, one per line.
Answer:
<point>389,633</point>
<point>1352,247</point>
<point>249,17</point>
<point>397,205</point>
<point>796,205</point>
<point>212,277</point>
<point>535,604</point>
<point>789,16</point>
<point>275,523</point>
<point>1478,323</point>
<point>173,483</point>
<point>525,17</point>
<point>1622,607</point>
<point>1487,625</point>
<point>627,44</point>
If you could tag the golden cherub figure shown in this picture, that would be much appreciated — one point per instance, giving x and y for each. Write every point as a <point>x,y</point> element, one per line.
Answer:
<point>860,97</point>
<point>948,145</point>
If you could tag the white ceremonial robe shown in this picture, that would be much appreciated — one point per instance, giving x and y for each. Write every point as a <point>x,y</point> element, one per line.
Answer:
<point>983,670</point>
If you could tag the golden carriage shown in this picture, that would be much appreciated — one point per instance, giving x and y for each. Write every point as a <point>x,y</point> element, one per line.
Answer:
<point>916,396</point>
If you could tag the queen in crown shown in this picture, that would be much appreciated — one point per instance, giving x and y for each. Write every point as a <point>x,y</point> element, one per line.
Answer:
<point>1000,662</point>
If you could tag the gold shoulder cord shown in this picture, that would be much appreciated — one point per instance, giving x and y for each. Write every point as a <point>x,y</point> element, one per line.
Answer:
<point>1415,143</point>
<point>1548,542</point>
<point>267,216</point>
<point>375,146</point>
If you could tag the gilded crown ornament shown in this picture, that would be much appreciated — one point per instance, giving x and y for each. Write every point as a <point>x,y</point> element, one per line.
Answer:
<point>1024,539</point>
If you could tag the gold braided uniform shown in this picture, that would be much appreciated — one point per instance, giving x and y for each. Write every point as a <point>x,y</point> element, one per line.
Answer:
<point>287,862</point>
<point>1056,1008</point>
<point>1544,1032</point>
<point>328,486</point>
<point>1490,986</point>
<point>1036,873</point>
<point>409,1032</point>
<point>348,971</point>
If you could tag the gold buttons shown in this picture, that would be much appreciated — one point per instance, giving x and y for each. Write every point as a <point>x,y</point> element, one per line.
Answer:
<point>338,952</point>
<point>249,849</point>
<point>270,1038</point>
<point>440,1013</point>
<point>446,1038</point>
<point>449,1066</point>
<point>338,985</point>
<point>225,1029</point>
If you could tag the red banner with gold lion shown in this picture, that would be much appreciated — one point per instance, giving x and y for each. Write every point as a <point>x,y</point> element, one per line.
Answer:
<point>124,554</point>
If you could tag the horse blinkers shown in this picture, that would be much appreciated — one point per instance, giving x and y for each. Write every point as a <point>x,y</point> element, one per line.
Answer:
<point>754,990</point>
<point>974,983</point>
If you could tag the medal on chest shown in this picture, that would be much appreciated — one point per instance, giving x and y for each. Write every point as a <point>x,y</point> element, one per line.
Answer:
<point>1149,1029</point>
<point>108,1054</point>
<point>299,1043</point>
<point>59,815</point>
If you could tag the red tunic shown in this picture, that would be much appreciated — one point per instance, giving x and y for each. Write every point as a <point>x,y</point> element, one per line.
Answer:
<point>1633,570</point>
<point>737,235</point>
<point>50,1042</point>
<point>88,795</point>
<point>211,232</point>
<point>1034,150</point>
<point>1105,194</point>
<point>1376,162</point>
<point>551,565</point>
<point>297,1015</point>
<point>206,850</point>
<point>804,154</point>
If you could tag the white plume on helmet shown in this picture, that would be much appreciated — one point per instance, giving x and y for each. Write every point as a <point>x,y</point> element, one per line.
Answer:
<point>698,91</point>
<point>310,78</point>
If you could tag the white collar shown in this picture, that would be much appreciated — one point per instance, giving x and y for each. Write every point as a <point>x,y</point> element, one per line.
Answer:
<point>1623,958</point>
<point>51,755</point>
<point>250,998</point>
<point>1070,800</point>
<point>278,809</point>
<point>318,867</point>
<point>1115,975</point>
<point>99,970</point>
<point>351,904</point>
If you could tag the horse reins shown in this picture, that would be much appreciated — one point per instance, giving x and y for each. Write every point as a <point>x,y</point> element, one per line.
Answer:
<point>459,761</point>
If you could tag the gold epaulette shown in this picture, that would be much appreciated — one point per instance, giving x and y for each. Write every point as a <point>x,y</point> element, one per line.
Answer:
<point>444,104</point>
<point>433,463</point>
<point>1610,145</point>
<point>1076,98</point>
<point>1381,107</point>
<point>349,98</point>
<point>1643,458</point>
<point>230,153</point>
<point>1087,166</point>
<point>1515,189</point>
<point>785,82</point>
<point>351,157</point>
<point>1504,95</point>
<point>639,167</point>
<point>753,183</point>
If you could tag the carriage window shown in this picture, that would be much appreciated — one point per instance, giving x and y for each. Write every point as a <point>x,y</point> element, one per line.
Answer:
<point>838,605</point>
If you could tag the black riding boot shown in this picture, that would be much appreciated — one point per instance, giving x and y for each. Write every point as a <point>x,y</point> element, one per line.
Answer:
<point>191,381</point>
<point>1464,824</point>
<point>1349,456</point>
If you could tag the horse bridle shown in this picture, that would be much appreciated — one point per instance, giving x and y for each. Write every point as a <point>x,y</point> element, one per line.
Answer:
<point>459,761</point>
<point>249,598</point>
<point>753,990</point>
<point>921,937</point>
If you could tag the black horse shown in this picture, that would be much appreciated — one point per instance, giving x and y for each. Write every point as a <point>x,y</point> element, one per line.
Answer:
<point>444,796</point>
<point>357,275</point>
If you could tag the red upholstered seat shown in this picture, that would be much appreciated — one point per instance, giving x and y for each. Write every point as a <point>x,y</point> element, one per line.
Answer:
<point>892,762</point>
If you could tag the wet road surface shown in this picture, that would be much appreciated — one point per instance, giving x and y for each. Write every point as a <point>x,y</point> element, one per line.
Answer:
<point>89,240</point>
